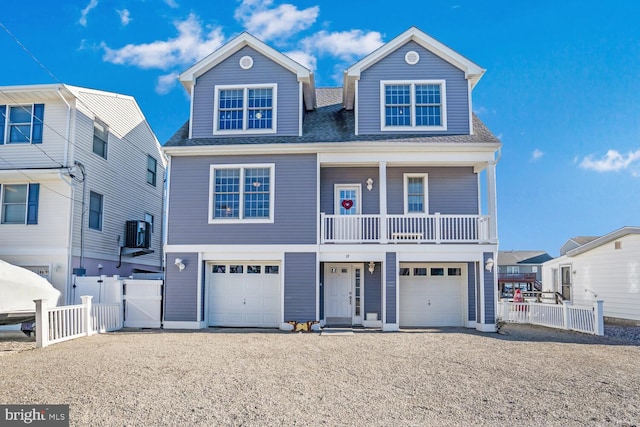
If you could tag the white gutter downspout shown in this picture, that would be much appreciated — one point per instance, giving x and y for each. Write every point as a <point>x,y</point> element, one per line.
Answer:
<point>66,146</point>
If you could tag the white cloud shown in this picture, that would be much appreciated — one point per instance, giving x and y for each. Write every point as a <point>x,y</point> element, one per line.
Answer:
<point>346,44</point>
<point>536,155</point>
<point>303,58</point>
<point>267,23</point>
<point>172,4</point>
<point>83,14</point>
<point>613,161</point>
<point>125,16</point>
<point>188,47</point>
<point>166,82</point>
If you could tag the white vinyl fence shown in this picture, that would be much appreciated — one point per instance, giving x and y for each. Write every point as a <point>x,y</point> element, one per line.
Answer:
<point>585,319</point>
<point>58,324</point>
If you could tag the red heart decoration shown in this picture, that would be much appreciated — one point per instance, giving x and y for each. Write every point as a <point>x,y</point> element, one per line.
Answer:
<point>347,204</point>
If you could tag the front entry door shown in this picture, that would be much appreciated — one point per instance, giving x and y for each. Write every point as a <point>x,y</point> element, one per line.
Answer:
<point>338,294</point>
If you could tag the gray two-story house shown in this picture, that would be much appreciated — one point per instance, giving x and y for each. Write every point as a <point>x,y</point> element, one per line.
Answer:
<point>358,205</point>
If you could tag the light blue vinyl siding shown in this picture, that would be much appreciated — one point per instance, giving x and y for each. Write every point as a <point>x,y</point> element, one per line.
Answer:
<point>331,176</point>
<point>181,289</point>
<point>394,67</point>
<point>295,209</point>
<point>471,291</point>
<point>300,287</point>
<point>489,290</point>
<point>451,190</point>
<point>390,260</point>
<point>228,72</point>
<point>372,291</point>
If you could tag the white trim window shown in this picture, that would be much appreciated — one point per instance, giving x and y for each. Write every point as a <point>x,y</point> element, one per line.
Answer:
<point>21,124</point>
<point>19,203</point>
<point>240,109</point>
<point>413,105</point>
<point>241,193</point>
<point>100,138</point>
<point>96,210</point>
<point>416,200</point>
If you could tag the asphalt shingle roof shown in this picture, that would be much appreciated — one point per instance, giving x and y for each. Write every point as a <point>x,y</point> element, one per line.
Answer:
<point>329,123</point>
<point>522,257</point>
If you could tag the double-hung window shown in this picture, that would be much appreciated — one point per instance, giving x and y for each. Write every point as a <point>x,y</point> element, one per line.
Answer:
<point>250,108</point>
<point>152,170</point>
<point>96,211</point>
<point>100,138</point>
<point>21,124</point>
<point>241,193</point>
<point>415,193</point>
<point>19,203</point>
<point>413,105</point>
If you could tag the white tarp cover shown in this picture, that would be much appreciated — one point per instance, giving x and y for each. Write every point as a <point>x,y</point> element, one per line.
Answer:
<point>19,287</point>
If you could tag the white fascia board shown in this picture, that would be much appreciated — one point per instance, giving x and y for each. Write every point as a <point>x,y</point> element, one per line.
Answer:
<point>188,77</point>
<point>24,175</point>
<point>360,147</point>
<point>617,234</point>
<point>472,70</point>
<point>244,252</point>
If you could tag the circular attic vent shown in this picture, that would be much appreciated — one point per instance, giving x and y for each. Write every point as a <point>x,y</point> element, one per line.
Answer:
<point>246,62</point>
<point>412,57</point>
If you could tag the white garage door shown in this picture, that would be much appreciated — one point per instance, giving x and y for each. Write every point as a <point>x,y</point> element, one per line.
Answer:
<point>432,294</point>
<point>244,294</point>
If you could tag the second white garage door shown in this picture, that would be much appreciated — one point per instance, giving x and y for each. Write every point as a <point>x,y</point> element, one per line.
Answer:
<point>432,295</point>
<point>244,294</point>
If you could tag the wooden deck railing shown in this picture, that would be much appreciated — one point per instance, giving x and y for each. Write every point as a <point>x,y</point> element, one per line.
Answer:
<point>436,228</point>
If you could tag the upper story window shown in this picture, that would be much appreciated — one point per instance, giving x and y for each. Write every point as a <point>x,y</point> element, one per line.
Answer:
<point>19,203</point>
<point>100,138</point>
<point>21,124</point>
<point>152,167</point>
<point>513,269</point>
<point>413,105</point>
<point>248,108</point>
<point>415,193</point>
<point>241,193</point>
<point>96,210</point>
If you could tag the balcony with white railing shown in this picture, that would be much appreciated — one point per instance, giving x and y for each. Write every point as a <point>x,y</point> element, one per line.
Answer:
<point>436,228</point>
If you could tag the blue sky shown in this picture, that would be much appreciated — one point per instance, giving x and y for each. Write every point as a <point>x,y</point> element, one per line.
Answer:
<point>560,91</point>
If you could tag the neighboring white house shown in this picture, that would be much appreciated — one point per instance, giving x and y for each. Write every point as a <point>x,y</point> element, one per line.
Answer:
<point>76,165</point>
<point>606,268</point>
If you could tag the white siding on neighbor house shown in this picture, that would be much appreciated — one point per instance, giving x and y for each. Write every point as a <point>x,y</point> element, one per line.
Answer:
<point>121,178</point>
<point>611,274</point>
<point>48,154</point>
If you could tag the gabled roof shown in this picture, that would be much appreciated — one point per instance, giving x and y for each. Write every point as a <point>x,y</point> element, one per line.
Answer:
<point>522,257</point>
<point>304,75</point>
<point>574,242</point>
<point>472,71</point>
<point>621,232</point>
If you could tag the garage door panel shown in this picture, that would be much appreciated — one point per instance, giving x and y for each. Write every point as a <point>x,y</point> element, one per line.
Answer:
<point>431,300</point>
<point>244,299</point>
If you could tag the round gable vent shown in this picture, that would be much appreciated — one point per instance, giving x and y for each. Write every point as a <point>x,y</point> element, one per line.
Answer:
<point>246,62</point>
<point>412,57</point>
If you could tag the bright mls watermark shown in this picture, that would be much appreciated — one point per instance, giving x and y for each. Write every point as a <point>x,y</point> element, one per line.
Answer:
<point>35,415</point>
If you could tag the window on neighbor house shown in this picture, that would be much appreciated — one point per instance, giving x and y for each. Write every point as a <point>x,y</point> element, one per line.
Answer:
<point>96,210</point>
<point>415,193</point>
<point>245,108</point>
<point>413,105</point>
<point>100,138</point>
<point>19,203</point>
<point>513,269</point>
<point>21,124</point>
<point>149,218</point>
<point>242,193</point>
<point>152,167</point>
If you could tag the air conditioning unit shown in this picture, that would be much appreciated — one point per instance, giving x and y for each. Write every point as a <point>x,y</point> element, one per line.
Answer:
<point>138,234</point>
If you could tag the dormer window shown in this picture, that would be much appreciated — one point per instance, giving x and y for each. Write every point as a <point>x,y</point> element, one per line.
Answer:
<point>413,105</point>
<point>250,109</point>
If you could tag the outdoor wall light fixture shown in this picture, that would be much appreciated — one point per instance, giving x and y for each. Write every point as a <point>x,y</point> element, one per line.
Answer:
<point>372,267</point>
<point>178,262</point>
<point>370,184</point>
<point>488,265</point>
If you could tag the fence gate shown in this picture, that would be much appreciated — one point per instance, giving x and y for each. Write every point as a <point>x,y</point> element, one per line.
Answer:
<point>142,300</point>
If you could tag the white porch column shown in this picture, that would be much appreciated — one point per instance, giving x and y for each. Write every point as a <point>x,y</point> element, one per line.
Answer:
<point>382,186</point>
<point>492,204</point>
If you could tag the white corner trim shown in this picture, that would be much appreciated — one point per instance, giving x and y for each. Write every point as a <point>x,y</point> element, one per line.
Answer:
<point>182,325</point>
<point>469,87</point>
<point>355,107</point>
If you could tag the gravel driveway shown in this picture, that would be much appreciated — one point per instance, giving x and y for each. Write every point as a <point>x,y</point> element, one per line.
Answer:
<point>523,376</point>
